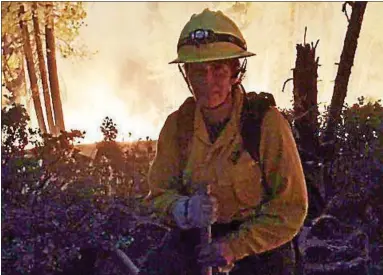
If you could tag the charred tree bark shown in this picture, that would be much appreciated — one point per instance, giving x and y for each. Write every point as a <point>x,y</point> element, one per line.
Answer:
<point>32,71</point>
<point>305,78</point>
<point>52,68</point>
<point>43,70</point>
<point>305,75</point>
<point>343,74</point>
<point>340,91</point>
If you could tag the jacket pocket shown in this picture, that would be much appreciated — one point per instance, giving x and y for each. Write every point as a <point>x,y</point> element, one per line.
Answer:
<point>245,176</point>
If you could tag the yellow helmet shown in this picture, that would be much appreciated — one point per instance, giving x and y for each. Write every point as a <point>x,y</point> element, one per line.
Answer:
<point>210,36</point>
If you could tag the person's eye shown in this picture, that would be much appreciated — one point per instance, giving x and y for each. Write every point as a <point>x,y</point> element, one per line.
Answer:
<point>221,72</point>
<point>199,72</point>
<point>218,67</point>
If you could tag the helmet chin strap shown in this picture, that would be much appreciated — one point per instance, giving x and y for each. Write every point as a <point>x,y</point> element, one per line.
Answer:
<point>241,73</point>
<point>186,80</point>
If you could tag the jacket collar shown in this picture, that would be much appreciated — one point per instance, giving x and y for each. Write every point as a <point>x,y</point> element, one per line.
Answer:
<point>232,128</point>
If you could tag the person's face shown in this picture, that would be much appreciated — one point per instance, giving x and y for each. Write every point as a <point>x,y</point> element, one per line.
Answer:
<point>211,81</point>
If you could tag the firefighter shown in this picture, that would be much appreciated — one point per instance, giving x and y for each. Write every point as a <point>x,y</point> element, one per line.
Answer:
<point>254,205</point>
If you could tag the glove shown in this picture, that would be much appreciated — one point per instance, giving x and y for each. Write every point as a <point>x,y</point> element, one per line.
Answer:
<point>179,212</point>
<point>215,254</point>
<point>196,211</point>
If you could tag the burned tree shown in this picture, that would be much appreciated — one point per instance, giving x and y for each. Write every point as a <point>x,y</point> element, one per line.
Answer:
<point>340,90</point>
<point>344,72</point>
<point>305,75</point>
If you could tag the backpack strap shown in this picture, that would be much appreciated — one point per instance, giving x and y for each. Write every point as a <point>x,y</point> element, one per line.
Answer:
<point>254,109</point>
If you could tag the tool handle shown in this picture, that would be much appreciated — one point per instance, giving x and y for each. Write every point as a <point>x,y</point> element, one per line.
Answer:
<point>205,235</point>
<point>125,262</point>
<point>206,238</point>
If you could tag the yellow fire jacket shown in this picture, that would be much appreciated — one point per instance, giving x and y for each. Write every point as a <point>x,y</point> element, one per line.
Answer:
<point>237,184</point>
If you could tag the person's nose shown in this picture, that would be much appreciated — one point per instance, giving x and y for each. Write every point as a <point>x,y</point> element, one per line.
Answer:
<point>210,75</point>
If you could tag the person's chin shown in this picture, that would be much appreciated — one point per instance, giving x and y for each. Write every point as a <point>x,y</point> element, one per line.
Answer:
<point>212,105</point>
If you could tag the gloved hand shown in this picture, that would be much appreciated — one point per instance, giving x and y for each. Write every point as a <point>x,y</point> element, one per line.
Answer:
<point>199,211</point>
<point>215,254</point>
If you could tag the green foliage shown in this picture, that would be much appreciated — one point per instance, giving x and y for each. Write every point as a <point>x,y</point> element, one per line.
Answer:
<point>363,128</point>
<point>68,19</point>
<point>55,201</point>
<point>11,43</point>
<point>68,24</point>
<point>10,19</point>
<point>14,136</point>
<point>357,168</point>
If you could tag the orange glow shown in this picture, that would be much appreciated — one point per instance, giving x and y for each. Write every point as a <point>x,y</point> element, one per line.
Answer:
<point>90,117</point>
<point>129,79</point>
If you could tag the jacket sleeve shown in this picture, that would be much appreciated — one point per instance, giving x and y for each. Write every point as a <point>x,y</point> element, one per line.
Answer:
<point>279,219</point>
<point>164,170</point>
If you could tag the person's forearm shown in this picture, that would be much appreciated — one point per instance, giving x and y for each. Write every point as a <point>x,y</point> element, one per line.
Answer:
<point>273,226</point>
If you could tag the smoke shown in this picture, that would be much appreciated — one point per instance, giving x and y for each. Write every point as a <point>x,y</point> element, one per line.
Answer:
<point>130,79</point>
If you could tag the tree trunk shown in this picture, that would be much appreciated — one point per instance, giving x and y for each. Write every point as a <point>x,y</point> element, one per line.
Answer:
<point>340,92</point>
<point>23,90</point>
<point>32,72</point>
<point>43,71</point>
<point>344,72</point>
<point>305,75</point>
<point>52,68</point>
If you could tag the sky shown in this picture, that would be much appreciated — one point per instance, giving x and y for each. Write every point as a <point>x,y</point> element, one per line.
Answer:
<point>129,78</point>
